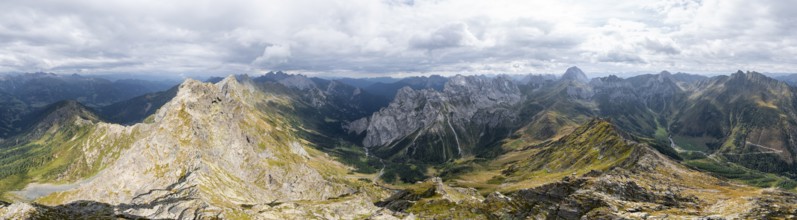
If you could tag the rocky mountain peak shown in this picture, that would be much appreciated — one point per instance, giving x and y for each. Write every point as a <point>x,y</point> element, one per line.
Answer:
<point>664,75</point>
<point>65,113</point>
<point>209,144</point>
<point>597,143</point>
<point>236,86</point>
<point>459,83</point>
<point>575,74</point>
<point>279,75</point>
<point>738,72</point>
<point>611,78</point>
<point>755,75</point>
<point>610,82</point>
<point>450,118</point>
<point>70,107</point>
<point>753,78</point>
<point>298,81</point>
<point>458,80</point>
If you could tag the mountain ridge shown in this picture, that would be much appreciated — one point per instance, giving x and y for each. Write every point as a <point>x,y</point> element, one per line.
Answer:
<point>289,146</point>
<point>175,166</point>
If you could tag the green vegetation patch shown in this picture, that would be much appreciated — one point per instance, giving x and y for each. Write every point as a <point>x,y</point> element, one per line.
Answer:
<point>744,175</point>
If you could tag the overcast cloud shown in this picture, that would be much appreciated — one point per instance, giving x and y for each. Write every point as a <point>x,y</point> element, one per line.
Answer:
<point>397,37</point>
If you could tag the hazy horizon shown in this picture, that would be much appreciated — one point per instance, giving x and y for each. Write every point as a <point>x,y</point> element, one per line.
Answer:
<point>180,77</point>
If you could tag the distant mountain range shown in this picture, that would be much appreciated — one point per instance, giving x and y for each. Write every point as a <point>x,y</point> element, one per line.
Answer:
<point>285,146</point>
<point>23,94</point>
<point>745,118</point>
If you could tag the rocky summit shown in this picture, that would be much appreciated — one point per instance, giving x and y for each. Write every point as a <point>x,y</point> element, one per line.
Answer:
<point>398,110</point>
<point>283,146</point>
<point>207,153</point>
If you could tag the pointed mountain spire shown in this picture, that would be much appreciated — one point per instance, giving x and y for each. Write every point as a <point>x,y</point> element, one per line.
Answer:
<point>575,74</point>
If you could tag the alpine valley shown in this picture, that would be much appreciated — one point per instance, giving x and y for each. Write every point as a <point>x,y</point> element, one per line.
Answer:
<point>285,146</point>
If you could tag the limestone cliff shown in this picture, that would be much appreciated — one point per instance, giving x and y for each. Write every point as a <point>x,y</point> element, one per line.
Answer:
<point>430,125</point>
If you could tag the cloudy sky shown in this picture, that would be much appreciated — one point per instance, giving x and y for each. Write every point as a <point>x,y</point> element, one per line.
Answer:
<point>397,37</point>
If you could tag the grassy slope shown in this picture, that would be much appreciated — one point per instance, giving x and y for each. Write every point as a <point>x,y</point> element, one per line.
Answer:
<point>600,147</point>
<point>596,145</point>
<point>272,114</point>
<point>60,155</point>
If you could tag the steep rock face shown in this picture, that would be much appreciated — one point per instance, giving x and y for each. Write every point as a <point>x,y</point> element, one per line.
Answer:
<point>575,74</point>
<point>469,112</point>
<point>615,95</point>
<point>746,117</point>
<point>662,93</point>
<point>557,107</point>
<point>208,150</point>
<point>640,104</point>
<point>410,111</point>
<point>574,84</point>
<point>298,82</point>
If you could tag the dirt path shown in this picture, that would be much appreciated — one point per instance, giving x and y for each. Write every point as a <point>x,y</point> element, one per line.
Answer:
<point>770,150</point>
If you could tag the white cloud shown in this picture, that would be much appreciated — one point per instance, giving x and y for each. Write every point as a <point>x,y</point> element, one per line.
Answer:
<point>397,36</point>
<point>274,54</point>
<point>449,36</point>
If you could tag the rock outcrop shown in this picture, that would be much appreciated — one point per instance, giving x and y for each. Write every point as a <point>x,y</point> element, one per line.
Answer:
<point>252,148</point>
<point>611,178</point>
<point>575,74</point>
<point>208,152</point>
<point>470,112</point>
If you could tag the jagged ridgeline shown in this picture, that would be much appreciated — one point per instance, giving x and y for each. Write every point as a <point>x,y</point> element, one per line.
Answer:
<point>469,114</point>
<point>214,150</point>
<point>594,172</point>
<point>283,146</point>
<point>747,119</point>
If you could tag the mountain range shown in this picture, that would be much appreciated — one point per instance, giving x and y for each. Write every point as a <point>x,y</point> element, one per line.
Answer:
<point>22,95</point>
<point>285,146</point>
